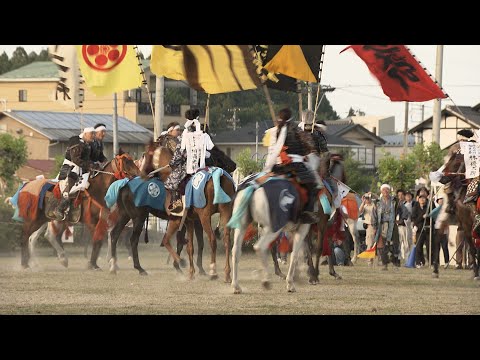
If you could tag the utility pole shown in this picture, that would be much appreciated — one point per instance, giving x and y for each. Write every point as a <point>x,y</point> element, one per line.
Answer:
<point>309,95</point>
<point>115,125</point>
<point>437,103</point>
<point>256,141</point>
<point>405,131</point>
<point>300,102</point>
<point>159,106</point>
<point>423,112</point>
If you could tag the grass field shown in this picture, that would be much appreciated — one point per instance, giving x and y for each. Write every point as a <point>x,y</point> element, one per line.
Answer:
<point>52,289</point>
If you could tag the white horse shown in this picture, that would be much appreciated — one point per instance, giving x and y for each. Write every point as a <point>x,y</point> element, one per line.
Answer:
<point>51,237</point>
<point>258,210</point>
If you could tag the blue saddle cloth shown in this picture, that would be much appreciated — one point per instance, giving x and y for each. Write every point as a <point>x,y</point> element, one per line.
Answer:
<point>113,190</point>
<point>145,192</point>
<point>195,189</point>
<point>148,193</point>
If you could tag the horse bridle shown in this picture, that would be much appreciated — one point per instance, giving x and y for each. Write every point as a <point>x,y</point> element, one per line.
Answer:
<point>117,165</point>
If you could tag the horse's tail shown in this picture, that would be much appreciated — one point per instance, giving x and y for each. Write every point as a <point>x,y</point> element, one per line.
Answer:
<point>241,208</point>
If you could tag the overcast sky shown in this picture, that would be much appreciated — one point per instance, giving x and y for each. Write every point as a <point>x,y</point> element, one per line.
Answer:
<point>356,87</point>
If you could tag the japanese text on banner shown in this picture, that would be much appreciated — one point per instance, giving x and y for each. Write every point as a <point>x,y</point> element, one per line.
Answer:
<point>471,154</point>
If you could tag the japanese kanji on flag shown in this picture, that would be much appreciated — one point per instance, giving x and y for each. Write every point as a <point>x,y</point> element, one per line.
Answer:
<point>401,76</point>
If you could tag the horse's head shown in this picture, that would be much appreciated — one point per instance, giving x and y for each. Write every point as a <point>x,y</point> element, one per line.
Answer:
<point>123,166</point>
<point>156,157</point>
<point>453,163</point>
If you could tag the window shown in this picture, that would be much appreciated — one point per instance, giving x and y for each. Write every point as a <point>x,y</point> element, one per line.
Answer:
<point>138,95</point>
<point>369,156</point>
<point>22,95</point>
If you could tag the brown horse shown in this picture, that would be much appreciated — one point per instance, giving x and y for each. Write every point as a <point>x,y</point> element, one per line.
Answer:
<point>139,215</point>
<point>464,213</point>
<point>94,212</point>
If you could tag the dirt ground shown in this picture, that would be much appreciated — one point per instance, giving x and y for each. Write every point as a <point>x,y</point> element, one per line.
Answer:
<point>52,289</point>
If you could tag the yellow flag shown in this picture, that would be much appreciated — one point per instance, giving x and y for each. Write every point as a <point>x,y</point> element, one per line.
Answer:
<point>368,254</point>
<point>108,69</point>
<point>290,60</point>
<point>167,60</point>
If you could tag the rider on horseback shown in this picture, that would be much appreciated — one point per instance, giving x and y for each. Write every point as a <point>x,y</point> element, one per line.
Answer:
<point>77,162</point>
<point>97,155</point>
<point>321,145</point>
<point>288,155</point>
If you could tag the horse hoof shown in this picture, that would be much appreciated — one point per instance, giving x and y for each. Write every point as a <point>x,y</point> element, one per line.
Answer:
<point>338,277</point>
<point>435,275</point>
<point>266,285</point>
<point>202,272</point>
<point>281,275</point>
<point>228,280</point>
<point>94,267</point>
<point>113,272</point>
<point>291,288</point>
<point>214,277</point>
<point>476,278</point>
<point>237,290</point>
<point>26,267</point>
<point>143,273</point>
<point>183,263</point>
<point>313,281</point>
<point>64,261</point>
<point>191,277</point>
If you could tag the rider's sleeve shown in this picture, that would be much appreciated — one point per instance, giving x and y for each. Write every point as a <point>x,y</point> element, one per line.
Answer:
<point>76,157</point>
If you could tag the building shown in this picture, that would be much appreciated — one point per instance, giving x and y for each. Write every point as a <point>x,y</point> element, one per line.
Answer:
<point>453,119</point>
<point>394,146</point>
<point>32,87</point>
<point>379,125</point>
<point>366,140</point>
<point>232,142</point>
<point>47,132</point>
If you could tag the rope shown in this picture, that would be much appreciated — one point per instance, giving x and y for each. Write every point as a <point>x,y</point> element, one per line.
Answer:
<point>144,81</point>
<point>317,104</point>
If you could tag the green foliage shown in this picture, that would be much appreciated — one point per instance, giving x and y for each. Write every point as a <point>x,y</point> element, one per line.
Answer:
<point>428,158</point>
<point>401,173</point>
<point>20,58</point>
<point>10,231</point>
<point>177,96</point>
<point>358,178</point>
<point>246,165</point>
<point>58,164</point>
<point>13,154</point>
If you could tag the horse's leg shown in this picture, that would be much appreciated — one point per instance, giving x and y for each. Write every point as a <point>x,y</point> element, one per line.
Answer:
<point>197,225</point>
<point>473,253</point>
<point>298,238</point>
<point>32,243</point>
<point>29,227</point>
<point>353,232</point>
<point>308,253</point>
<point>274,251</point>
<point>96,246</point>
<point>331,261</point>
<point>261,247</point>
<point>318,254</point>
<point>436,252</point>
<point>137,230</point>
<point>190,249</point>
<point>172,227</point>
<point>205,218</point>
<point>225,215</point>
<point>113,236</point>
<point>54,237</point>
<point>180,237</point>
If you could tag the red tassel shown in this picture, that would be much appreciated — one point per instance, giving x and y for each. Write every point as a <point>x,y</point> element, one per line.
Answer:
<point>250,233</point>
<point>56,191</point>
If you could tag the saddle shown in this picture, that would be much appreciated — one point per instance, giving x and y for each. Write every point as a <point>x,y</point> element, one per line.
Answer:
<point>74,211</point>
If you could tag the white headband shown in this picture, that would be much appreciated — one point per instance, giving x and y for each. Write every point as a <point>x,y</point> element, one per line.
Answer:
<point>177,127</point>
<point>88,129</point>
<point>195,122</point>
<point>100,128</point>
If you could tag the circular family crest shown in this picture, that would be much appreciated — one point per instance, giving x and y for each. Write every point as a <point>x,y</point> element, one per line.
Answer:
<point>103,57</point>
<point>153,189</point>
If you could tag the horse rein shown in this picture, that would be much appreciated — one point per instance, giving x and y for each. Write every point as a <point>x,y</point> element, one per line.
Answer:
<point>119,172</point>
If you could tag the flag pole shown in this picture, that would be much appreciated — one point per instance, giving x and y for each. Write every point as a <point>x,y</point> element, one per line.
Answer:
<point>300,100</point>
<point>437,103</point>
<point>207,114</point>
<point>319,86</point>
<point>144,82</point>
<point>270,104</point>
<point>115,125</point>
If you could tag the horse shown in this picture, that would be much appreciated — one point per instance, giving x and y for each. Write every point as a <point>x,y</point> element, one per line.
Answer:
<point>94,216</point>
<point>251,204</point>
<point>128,211</point>
<point>464,214</point>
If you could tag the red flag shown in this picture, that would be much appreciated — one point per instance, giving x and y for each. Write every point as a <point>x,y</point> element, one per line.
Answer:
<point>401,76</point>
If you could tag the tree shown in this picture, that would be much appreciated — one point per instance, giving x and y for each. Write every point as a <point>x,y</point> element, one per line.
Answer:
<point>13,154</point>
<point>19,58</point>
<point>43,56</point>
<point>58,164</point>
<point>4,63</point>
<point>351,112</point>
<point>246,165</point>
<point>427,157</point>
<point>358,178</point>
<point>32,57</point>
<point>398,173</point>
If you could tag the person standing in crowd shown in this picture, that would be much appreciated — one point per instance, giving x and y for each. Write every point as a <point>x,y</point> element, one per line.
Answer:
<point>369,211</point>
<point>408,224</point>
<point>401,217</point>
<point>387,241</point>
<point>421,227</point>
<point>441,235</point>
